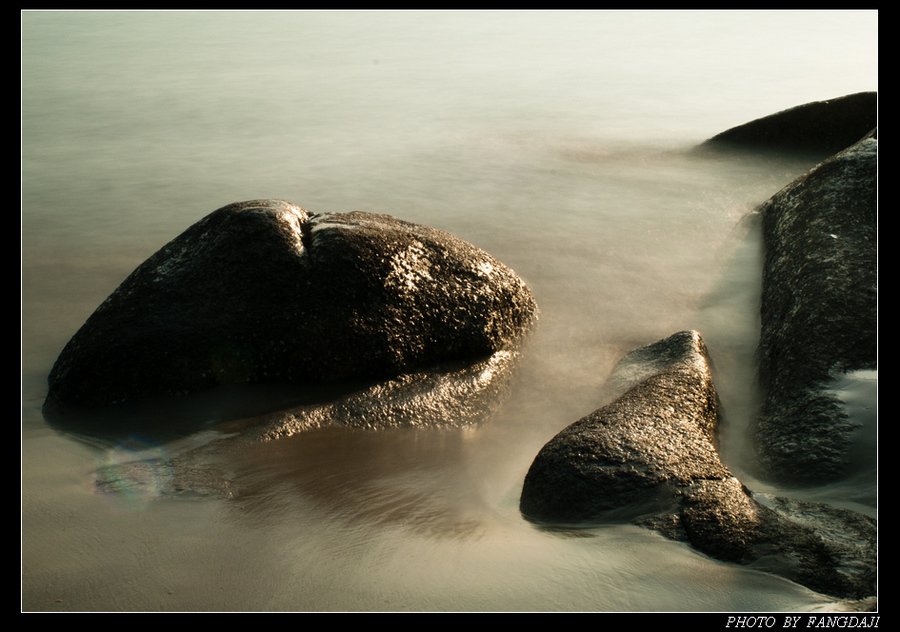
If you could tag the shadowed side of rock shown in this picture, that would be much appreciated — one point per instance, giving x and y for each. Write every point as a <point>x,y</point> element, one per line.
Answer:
<point>449,398</point>
<point>820,128</point>
<point>819,313</point>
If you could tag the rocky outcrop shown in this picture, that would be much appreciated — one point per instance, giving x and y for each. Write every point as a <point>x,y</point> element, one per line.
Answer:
<point>820,128</point>
<point>634,454</point>
<point>266,292</point>
<point>649,457</point>
<point>819,312</point>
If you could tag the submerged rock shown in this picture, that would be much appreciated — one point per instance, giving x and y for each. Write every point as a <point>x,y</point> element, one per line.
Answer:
<point>449,397</point>
<point>649,457</point>
<point>819,312</point>
<point>143,466</point>
<point>266,292</point>
<point>822,127</point>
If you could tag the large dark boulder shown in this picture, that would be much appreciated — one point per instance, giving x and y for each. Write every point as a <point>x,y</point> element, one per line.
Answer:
<point>819,312</point>
<point>819,128</point>
<point>649,458</point>
<point>266,292</point>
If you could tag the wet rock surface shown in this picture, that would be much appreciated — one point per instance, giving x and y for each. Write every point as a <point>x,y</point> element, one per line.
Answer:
<point>819,313</point>
<point>634,453</point>
<point>266,292</point>
<point>649,457</point>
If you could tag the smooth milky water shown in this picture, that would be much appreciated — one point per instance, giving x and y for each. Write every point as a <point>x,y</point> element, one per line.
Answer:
<point>554,141</point>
